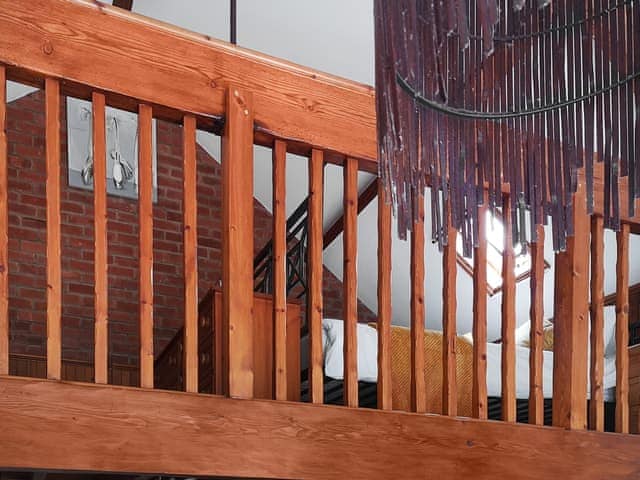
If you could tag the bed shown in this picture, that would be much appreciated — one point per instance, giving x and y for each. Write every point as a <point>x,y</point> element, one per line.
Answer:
<point>367,369</point>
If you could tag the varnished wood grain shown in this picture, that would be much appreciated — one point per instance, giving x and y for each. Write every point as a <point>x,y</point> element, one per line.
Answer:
<point>190,252</point>
<point>570,335</point>
<point>536,318</point>
<point>596,403</point>
<point>384,300</point>
<point>100,263</point>
<point>350,282</point>
<point>314,262</point>
<point>508,329</point>
<point>622,330</point>
<point>418,388</point>
<point>145,217</point>
<point>280,269</point>
<point>449,270</point>
<point>54,259</point>
<point>4,230</point>
<point>237,241</point>
<point>479,387</point>
<point>320,109</point>
<point>92,421</point>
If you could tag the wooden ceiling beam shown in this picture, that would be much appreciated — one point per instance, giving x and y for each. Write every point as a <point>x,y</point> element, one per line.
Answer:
<point>126,4</point>
<point>85,427</point>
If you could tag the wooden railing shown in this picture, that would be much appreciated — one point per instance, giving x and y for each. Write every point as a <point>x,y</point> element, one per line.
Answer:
<point>333,122</point>
<point>291,110</point>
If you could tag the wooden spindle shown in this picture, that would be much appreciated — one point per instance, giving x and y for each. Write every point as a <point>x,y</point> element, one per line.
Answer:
<point>418,387</point>
<point>596,404</point>
<point>100,264</point>
<point>280,269</point>
<point>350,282</point>
<point>315,266</point>
<point>384,300</point>
<point>622,330</point>
<point>570,337</point>
<point>54,257</point>
<point>145,214</point>
<point>4,230</point>
<point>508,330</point>
<point>237,242</point>
<point>536,318</point>
<point>449,270</point>
<point>190,252</point>
<point>479,388</point>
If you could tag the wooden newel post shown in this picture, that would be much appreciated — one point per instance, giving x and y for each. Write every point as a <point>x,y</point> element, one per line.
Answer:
<point>237,244</point>
<point>571,324</point>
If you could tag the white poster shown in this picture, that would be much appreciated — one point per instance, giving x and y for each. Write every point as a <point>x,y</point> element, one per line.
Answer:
<point>122,149</point>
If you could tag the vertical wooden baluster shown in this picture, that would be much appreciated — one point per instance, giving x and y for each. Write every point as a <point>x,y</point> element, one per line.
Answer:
<point>479,392</point>
<point>622,330</point>
<point>190,253</point>
<point>314,300</point>
<point>237,242</point>
<point>536,316</point>
<point>508,320</point>
<point>449,270</point>
<point>570,337</point>
<point>145,214</point>
<point>384,301</point>
<point>350,282</point>
<point>101,332</point>
<point>280,269</point>
<point>4,230</point>
<point>596,405</point>
<point>418,388</point>
<point>54,258</point>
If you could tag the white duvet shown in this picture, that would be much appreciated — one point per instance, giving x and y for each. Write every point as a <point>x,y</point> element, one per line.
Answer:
<point>368,362</point>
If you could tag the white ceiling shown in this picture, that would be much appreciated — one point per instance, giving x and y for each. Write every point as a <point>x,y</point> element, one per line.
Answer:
<point>336,36</point>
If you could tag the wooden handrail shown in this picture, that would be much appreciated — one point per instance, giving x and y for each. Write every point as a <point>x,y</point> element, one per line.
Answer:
<point>153,55</point>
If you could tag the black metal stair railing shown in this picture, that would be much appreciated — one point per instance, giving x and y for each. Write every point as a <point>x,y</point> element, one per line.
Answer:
<point>296,257</point>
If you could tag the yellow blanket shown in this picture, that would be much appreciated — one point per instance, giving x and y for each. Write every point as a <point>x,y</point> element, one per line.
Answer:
<point>401,370</point>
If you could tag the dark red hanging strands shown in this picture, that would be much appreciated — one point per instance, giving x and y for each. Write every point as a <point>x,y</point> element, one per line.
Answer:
<point>514,95</point>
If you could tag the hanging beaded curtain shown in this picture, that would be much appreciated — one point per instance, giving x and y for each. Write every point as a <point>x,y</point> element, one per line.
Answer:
<point>515,94</point>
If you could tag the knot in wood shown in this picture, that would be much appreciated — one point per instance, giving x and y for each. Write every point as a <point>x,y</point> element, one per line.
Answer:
<point>47,47</point>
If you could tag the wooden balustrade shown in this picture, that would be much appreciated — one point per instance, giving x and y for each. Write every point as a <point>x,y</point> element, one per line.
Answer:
<point>508,328</point>
<point>384,300</point>
<point>536,317</point>
<point>479,387</point>
<point>280,269</point>
<point>449,303</point>
<point>314,279</point>
<point>596,375</point>
<point>350,282</point>
<point>622,330</point>
<point>100,244</point>
<point>418,384</point>
<point>4,230</point>
<point>572,284</point>
<point>190,252</point>
<point>54,253</point>
<point>145,216</point>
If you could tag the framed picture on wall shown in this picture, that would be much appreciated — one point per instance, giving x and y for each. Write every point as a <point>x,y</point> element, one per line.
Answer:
<point>121,146</point>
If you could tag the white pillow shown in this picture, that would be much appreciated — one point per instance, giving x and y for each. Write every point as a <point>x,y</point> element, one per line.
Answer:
<point>333,341</point>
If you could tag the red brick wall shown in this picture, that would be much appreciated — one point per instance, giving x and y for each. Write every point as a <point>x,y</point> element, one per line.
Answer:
<point>27,236</point>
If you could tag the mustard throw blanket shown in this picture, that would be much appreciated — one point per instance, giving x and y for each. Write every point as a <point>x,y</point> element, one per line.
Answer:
<point>401,370</point>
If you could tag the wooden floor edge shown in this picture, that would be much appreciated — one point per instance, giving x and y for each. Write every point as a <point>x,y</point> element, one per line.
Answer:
<point>53,425</point>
